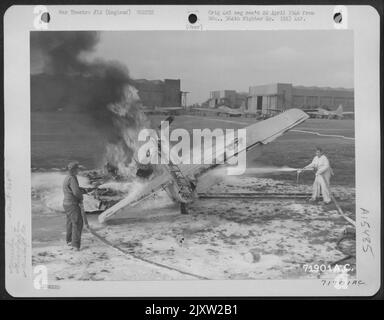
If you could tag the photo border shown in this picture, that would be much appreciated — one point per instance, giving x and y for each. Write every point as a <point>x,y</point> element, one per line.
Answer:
<point>361,98</point>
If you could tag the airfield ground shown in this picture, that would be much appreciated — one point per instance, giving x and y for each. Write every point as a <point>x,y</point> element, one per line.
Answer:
<point>214,241</point>
<point>78,139</point>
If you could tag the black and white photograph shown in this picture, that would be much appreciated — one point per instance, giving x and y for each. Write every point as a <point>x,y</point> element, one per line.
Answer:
<point>231,152</point>
<point>99,213</point>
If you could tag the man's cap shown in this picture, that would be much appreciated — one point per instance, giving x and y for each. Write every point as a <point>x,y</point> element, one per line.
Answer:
<point>72,165</point>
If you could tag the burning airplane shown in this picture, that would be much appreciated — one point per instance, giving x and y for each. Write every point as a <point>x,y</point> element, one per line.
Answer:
<point>109,97</point>
<point>179,181</point>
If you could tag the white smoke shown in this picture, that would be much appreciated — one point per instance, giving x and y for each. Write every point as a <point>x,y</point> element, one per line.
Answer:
<point>47,189</point>
<point>222,171</point>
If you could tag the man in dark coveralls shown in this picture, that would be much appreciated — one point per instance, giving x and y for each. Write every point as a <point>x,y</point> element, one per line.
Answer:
<point>73,206</point>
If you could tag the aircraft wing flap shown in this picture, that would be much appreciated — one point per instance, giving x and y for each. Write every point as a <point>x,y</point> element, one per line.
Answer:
<point>268,130</point>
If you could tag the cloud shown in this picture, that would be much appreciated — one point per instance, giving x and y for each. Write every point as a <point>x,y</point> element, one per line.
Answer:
<point>213,60</point>
<point>284,53</point>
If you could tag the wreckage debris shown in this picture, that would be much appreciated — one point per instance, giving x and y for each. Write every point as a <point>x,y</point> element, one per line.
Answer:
<point>107,196</point>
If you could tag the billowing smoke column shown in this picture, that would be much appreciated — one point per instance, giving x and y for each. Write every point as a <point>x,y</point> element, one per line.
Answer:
<point>102,89</point>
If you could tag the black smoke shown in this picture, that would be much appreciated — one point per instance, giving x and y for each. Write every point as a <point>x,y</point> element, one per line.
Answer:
<point>67,80</point>
<point>60,50</point>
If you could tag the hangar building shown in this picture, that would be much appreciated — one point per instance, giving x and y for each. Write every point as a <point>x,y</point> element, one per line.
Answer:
<point>281,96</point>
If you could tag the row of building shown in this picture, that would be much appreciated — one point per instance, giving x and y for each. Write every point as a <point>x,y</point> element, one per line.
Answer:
<point>278,97</point>
<point>167,94</point>
<point>265,99</point>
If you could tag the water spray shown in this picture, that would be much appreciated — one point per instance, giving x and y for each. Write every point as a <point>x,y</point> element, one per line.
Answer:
<point>298,171</point>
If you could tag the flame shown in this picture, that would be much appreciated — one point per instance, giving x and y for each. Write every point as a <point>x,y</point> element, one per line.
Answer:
<point>129,119</point>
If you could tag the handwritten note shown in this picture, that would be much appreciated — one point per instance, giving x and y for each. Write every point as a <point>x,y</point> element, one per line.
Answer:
<point>8,197</point>
<point>17,246</point>
<point>365,225</point>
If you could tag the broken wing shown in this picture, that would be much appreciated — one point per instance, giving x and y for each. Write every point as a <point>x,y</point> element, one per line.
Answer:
<point>261,132</point>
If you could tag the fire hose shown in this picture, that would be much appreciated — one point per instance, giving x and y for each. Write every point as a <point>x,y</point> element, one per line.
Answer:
<point>105,241</point>
<point>349,220</point>
<point>348,233</point>
<point>120,250</point>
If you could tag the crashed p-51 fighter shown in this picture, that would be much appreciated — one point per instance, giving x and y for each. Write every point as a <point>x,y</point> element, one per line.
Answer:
<point>179,180</point>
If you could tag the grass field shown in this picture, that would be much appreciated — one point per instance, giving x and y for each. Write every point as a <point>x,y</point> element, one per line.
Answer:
<point>58,137</point>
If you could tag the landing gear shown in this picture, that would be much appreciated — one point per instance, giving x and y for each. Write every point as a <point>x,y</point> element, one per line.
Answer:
<point>183,208</point>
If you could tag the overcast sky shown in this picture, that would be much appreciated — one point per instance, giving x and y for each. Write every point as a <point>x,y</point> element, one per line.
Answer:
<point>210,60</point>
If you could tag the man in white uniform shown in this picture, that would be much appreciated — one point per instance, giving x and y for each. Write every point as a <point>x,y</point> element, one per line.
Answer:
<point>320,165</point>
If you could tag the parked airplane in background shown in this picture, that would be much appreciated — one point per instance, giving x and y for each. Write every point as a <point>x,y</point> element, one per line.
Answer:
<point>328,114</point>
<point>230,112</point>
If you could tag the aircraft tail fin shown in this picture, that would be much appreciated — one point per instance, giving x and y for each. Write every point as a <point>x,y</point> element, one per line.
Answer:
<point>339,111</point>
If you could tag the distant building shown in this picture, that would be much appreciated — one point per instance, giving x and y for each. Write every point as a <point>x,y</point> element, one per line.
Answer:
<point>77,91</point>
<point>229,98</point>
<point>158,93</point>
<point>281,96</point>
